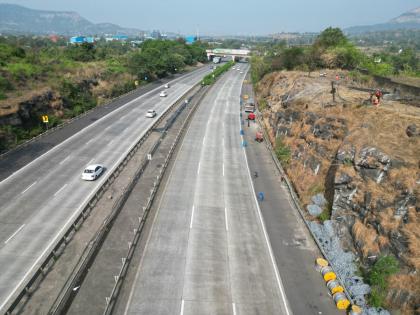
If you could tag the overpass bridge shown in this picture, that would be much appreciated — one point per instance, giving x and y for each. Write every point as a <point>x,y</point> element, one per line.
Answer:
<point>233,53</point>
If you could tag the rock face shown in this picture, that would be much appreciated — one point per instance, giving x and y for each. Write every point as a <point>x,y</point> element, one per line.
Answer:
<point>412,131</point>
<point>367,164</point>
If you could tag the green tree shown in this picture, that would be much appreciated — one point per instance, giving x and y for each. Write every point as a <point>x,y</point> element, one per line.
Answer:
<point>331,37</point>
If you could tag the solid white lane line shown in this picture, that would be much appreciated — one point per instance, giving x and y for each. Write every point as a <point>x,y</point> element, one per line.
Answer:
<point>267,240</point>
<point>234,308</point>
<point>90,161</point>
<point>89,141</point>
<point>110,142</point>
<point>182,307</point>
<point>192,216</point>
<point>28,187</point>
<point>65,159</point>
<point>14,234</point>
<point>204,139</point>
<point>226,220</point>
<point>58,191</point>
<point>198,169</point>
<point>223,169</point>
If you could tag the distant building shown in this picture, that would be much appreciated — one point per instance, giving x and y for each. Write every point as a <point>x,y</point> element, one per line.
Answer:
<point>82,39</point>
<point>155,34</point>
<point>117,38</point>
<point>77,40</point>
<point>190,39</point>
<point>54,38</point>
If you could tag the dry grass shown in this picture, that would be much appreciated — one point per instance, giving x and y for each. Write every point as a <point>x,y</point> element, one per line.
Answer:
<point>383,127</point>
<point>367,237</point>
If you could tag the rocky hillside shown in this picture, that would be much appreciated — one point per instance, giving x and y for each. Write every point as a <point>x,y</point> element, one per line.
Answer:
<point>364,160</point>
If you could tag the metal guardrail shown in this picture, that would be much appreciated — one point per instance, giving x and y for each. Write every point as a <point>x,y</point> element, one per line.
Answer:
<point>58,248</point>
<point>296,201</point>
<point>110,301</point>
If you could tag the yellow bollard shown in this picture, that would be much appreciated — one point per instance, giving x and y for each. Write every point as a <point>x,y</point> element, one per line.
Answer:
<point>328,274</point>
<point>334,286</point>
<point>340,300</point>
<point>355,310</point>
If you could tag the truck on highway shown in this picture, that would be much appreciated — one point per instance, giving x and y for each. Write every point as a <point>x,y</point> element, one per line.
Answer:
<point>216,59</point>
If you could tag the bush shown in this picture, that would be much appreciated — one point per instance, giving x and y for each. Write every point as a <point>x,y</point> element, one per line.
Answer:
<point>378,277</point>
<point>211,78</point>
<point>23,70</point>
<point>282,151</point>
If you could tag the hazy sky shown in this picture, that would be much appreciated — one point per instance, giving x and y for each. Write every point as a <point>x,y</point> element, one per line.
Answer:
<point>217,17</point>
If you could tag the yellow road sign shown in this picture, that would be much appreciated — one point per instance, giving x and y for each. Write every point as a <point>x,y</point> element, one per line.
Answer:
<point>45,119</point>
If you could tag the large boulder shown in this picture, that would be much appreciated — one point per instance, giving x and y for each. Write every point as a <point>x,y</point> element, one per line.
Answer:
<point>373,163</point>
<point>314,210</point>
<point>412,131</point>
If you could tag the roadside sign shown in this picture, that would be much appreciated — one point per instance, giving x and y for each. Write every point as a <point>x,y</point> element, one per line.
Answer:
<point>45,119</point>
<point>149,157</point>
<point>136,83</point>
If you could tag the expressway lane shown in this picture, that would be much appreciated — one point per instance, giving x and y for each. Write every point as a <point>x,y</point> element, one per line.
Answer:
<point>208,252</point>
<point>40,200</point>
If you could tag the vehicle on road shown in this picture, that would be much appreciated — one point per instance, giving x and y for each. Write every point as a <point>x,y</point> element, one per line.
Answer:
<point>92,172</point>
<point>151,113</point>
<point>163,94</point>
<point>241,72</point>
<point>251,116</point>
<point>217,59</point>
<point>167,86</point>
<point>249,107</point>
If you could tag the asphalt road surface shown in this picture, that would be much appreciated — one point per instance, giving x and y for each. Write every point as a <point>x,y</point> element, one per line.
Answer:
<point>208,251</point>
<point>40,200</point>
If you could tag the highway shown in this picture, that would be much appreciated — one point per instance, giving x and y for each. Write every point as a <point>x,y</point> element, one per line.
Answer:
<point>208,251</point>
<point>40,201</point>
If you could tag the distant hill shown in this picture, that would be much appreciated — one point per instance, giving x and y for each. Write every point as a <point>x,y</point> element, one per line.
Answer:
<point>408,20</point>
<point>15,19</point>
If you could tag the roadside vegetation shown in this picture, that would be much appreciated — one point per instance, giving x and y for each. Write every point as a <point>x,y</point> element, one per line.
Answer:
<point>378,278</point>
<point>332,49</point>
<point>71,79</point>
<point>212,77</point>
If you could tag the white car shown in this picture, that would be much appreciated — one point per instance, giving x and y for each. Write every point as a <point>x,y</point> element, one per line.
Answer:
<point>163,94</point>
<point>92,172</point>
<point>151,113</point>
<point>241,72</point>
<point>167,86</point>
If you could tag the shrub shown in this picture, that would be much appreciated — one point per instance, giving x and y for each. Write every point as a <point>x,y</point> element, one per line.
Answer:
<point>378,277</point>
<point>282,151</point>
<point>23,70</point>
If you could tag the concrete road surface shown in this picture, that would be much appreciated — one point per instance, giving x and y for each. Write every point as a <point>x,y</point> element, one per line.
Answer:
<point>208,251</point>
<point>39,201</point>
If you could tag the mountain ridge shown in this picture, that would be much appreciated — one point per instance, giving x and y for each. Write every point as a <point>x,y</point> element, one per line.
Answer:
<point>407,20</point>
<point>16,19</point>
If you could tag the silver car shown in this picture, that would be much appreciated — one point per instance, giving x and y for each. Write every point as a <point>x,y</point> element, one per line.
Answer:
<point>92,172</point>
